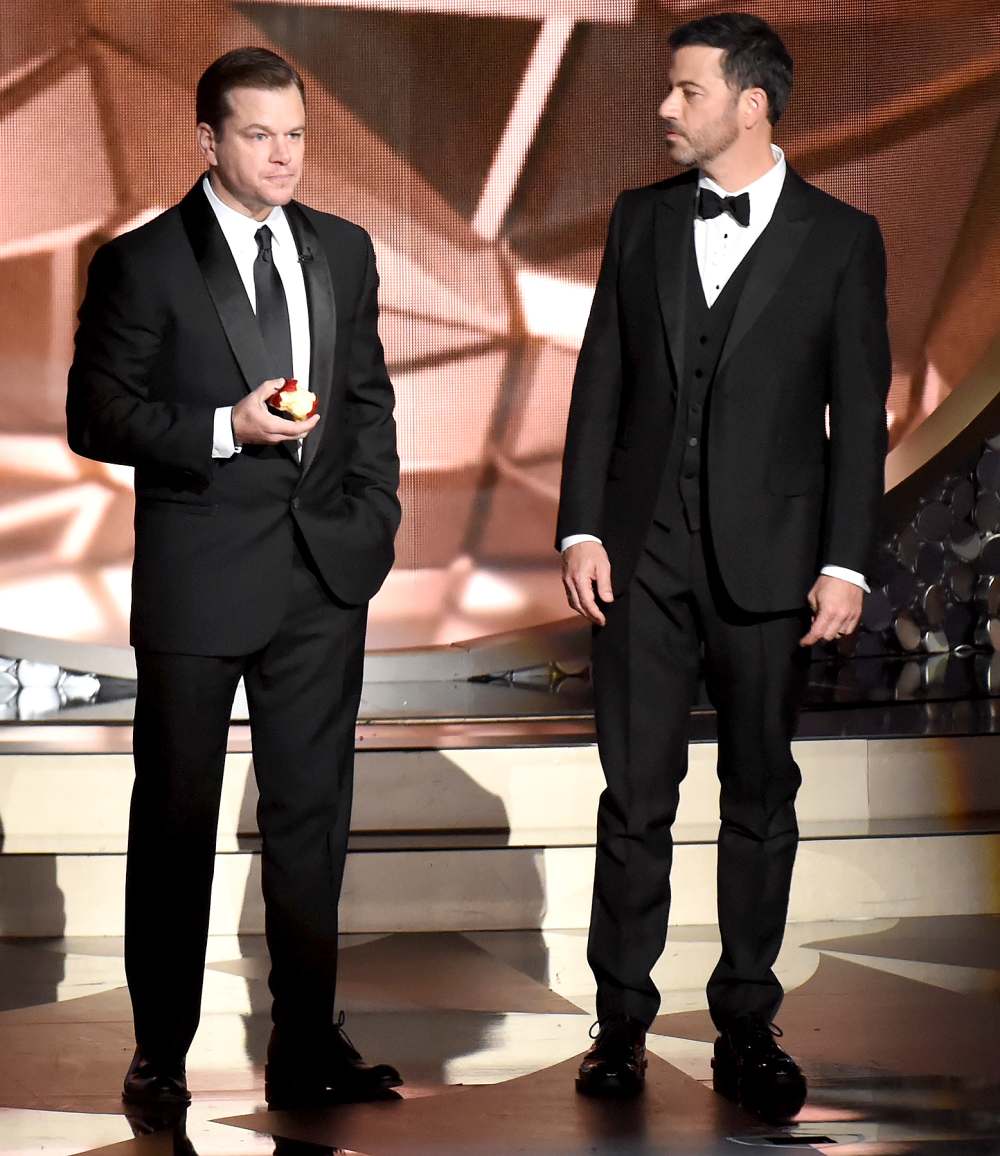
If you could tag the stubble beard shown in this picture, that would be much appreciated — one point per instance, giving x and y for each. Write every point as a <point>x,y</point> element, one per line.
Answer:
<point>711,142</point>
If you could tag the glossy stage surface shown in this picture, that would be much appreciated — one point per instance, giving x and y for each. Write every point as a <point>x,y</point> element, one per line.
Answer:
<point>896,1023</point>
<point>938,694</point>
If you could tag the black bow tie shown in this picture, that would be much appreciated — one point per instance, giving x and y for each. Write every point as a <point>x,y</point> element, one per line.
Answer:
<point>712,205</point>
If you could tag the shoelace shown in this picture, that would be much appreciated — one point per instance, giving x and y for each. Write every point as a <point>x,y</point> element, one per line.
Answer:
<point>341,1019</point>
<point>598,1032</point>
<point>764,1034</point>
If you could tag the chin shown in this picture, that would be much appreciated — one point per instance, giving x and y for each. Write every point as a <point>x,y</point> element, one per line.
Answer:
<point>683,157</point>
<point>278,194</point>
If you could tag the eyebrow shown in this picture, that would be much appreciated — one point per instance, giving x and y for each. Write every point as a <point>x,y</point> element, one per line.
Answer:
<point>265,128</point>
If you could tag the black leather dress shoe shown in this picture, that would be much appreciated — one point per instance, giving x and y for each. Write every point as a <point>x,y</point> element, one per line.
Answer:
<point>318,1072</point>
<point>750,1069</point>
<point>148,1120</point>
<point>155,1084</point>
<point>616,1064</point>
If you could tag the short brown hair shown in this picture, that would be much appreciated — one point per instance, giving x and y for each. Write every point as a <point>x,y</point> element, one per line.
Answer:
<point>241,68</point>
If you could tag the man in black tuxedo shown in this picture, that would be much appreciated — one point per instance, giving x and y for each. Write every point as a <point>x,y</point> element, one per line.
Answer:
<point>258,544</point>
<point>704,500</point>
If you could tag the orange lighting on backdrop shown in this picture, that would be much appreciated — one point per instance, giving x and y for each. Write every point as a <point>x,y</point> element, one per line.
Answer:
<point>482,144</point>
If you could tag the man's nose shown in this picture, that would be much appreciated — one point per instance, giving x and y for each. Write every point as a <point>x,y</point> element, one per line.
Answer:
<point>668,107</point>
<point>280,152</point>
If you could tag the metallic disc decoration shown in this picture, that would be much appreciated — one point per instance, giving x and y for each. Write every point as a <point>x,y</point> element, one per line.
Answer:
<point>961,498</point>
<point>988,470</point>
<point>876,613</point>
<point>960,624</point>
<point>902,589</point>
<point>988,593</point>
<point>933,522</point>
<point>935,642</point>
<point>930,563</point>
<point>910,680</point>
<point>907,548</point>
<point>936,670</point>
<point>908,632</point>
<point>884,567</point>
<point>988,672</point>
<point>961,581</point>
<point>965,541</point>
<point>934,603</point>
<point>988,513</point>
<point>989,556</point>
<point>988,633</point>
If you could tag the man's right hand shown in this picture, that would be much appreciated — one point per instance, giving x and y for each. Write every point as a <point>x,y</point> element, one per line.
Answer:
<point>254,424</point>
<point>584,567</point>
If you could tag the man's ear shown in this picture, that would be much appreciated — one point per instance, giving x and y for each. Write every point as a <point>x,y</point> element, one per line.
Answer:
<point>755,106</point>
<point>206,142</point>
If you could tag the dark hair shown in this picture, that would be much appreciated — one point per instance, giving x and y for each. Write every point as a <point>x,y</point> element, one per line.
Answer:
<point>755,55</point>
<point>241,68</point>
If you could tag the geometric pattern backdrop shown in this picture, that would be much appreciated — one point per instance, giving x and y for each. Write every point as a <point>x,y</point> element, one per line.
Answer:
<point>482,145</point>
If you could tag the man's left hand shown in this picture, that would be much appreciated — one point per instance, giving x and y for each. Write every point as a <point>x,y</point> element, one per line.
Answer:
<point>836,607</point>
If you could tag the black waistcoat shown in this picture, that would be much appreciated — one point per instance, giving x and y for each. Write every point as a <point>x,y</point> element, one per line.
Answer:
<point>683,487</point>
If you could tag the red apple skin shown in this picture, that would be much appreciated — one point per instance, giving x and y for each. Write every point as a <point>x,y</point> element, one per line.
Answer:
<point>290,385</point>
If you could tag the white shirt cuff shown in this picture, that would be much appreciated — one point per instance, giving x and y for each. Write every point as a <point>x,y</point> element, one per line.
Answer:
<point>831,571</point>
<point>572,540</point>
<point>223,443</point>
<point>847,575</point>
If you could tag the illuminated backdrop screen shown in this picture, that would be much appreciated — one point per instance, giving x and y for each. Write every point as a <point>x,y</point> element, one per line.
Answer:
<point>482,145</point>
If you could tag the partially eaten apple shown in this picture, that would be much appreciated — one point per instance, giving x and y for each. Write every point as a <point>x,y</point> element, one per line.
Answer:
<point>293,403</point>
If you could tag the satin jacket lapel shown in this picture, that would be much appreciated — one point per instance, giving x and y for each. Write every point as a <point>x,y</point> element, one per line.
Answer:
<point>225,286</point>
<point>322,320</point>
<point>771,258</point>
<point>229,295</point>
<point>672,226</point>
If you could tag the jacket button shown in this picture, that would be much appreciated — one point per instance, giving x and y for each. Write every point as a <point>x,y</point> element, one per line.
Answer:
<point>692,441</point>
<point>295,503</point>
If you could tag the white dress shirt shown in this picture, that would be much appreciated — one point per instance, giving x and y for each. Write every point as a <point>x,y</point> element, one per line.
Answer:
<point>240,233</point>
<point>720,246</point>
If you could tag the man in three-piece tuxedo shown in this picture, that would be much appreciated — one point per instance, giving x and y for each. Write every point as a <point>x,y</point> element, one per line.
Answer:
<point>258,544</point>
<point>707,514</point>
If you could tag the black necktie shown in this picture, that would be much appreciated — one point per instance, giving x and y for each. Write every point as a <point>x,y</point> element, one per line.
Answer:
<point>272,308</point>
<point>712,205</point>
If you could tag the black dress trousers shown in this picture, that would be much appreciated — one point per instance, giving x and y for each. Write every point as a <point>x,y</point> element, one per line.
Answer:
<point>303,689</point>
<point>646,662</point>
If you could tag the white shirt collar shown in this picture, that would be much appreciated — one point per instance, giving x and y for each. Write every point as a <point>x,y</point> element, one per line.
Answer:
<point>764,191</point>
<point>239,229</point>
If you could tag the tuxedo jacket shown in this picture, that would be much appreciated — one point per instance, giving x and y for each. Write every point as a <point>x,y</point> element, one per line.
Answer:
<point>784,497</point>
<point>166,336</point>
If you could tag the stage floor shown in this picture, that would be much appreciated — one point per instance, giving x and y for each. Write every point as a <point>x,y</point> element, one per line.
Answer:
<point>896,1023</point>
